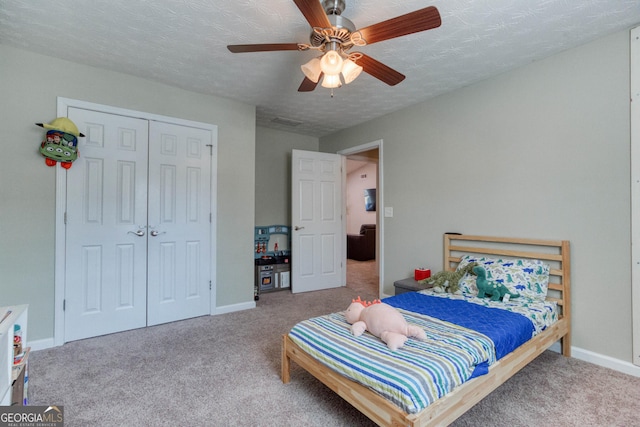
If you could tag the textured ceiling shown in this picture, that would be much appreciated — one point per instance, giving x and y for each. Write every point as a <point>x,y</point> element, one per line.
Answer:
<point>183,43</point>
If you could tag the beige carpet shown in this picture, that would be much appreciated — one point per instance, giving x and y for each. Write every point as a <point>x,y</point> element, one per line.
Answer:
<point>363,278</point>
<point>225,371</point>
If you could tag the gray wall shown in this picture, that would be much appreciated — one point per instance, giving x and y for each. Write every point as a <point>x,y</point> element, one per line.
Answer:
<point>29,85</point>
<point>273,173</point>
<point>541,151</point>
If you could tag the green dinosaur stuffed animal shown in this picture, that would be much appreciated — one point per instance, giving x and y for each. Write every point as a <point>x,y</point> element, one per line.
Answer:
<point>447,281</point>
<point>497,291</point>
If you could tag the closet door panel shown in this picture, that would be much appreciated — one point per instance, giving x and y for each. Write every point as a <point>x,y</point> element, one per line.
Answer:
<point>105,288</point>
<point>179,212</point>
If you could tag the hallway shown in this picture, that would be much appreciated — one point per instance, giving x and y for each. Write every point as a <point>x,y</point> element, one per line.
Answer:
<point>362,277</point>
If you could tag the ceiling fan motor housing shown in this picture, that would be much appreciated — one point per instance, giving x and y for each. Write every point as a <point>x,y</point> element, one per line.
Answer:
<point>333,7</point>
<point>340,31</point>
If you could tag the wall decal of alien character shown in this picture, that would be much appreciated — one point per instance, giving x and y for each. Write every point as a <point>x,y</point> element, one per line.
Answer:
<point>61,142</point>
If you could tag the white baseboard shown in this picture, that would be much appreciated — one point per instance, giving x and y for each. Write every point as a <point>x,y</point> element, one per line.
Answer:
<point>41,344</point>
<point>234,307</point>
<point>50,342</point>
<point>606,361</point>
<point>600,360</point>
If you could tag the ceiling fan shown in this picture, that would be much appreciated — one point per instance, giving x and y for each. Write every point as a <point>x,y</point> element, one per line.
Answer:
<point>334,36</point>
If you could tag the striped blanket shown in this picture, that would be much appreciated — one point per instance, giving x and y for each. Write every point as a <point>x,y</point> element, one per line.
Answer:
<point>412,377</point>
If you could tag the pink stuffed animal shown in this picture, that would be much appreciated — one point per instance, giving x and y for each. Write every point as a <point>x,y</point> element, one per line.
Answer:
<point>383,321</point>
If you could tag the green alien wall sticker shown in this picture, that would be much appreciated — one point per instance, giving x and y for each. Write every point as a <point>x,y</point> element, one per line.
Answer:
<point>61,142</point>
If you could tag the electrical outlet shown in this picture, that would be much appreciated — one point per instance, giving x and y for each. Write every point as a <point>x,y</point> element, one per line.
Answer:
<point>388,212</point>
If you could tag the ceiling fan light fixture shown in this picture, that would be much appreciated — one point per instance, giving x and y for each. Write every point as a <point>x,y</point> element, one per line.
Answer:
<point>350,71</point>
<point>334,36</point>
<point>331,63</point>
<point>331,81</point>
<point>312,70</point>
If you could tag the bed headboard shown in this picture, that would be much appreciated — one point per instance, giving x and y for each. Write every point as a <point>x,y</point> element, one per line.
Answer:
<point>556,253</point>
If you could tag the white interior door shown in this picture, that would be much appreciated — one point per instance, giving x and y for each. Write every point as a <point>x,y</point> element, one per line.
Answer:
<point>317,224</point>
<point>106,220</point>
<point>138,227</point>
<point>179,222</point>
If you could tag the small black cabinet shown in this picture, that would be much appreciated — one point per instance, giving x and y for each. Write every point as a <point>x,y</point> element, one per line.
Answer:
<point>409,285</point>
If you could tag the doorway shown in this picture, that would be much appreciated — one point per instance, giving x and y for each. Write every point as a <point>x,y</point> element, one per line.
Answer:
<point>363,202</point>
<point>137,235</point>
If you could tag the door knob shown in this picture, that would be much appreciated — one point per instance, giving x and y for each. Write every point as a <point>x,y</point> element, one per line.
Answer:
<point>139,233</point>
<point>155,233</point>
<point>296,228</point>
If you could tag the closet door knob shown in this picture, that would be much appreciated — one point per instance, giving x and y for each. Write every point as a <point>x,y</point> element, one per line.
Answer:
<point>296,228</point>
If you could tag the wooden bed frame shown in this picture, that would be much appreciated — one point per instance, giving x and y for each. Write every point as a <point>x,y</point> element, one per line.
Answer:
<point>448,408</point>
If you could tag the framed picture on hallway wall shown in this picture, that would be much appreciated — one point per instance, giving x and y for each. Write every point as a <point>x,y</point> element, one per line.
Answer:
<point>370,199</point>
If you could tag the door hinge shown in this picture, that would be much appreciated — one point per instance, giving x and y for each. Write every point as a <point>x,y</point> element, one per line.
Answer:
<point>64,304</point>
<point>210,217</point>
<point>209,284</point>
<point>210,149</point>
<point>65,218</point>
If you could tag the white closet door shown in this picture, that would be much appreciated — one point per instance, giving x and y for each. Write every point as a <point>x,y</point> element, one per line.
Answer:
<point>179,222</point>
<point>106,268</point>
<point>138,231</point>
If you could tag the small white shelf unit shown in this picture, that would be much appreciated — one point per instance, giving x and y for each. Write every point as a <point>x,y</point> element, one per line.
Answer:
<point>10,316</point>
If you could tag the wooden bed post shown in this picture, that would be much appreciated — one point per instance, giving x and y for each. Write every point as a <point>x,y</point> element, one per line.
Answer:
<point>446,253</point>
<point>566,296</point>
<point>286,362</point>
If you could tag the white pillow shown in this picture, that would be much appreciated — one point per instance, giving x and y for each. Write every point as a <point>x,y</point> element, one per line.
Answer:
<point>529,278</point>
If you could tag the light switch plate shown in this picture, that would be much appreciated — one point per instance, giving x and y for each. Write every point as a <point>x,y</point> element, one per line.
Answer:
<point>388,212</point>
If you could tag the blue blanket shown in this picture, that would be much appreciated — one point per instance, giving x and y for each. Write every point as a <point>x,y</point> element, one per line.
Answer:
<point>507,330</point>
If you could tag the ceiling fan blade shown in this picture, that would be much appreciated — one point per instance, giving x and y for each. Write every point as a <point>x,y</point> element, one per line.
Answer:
<point>240,48</point>
<point>380,71</point>
<point>308,85</point>
<point>413,22</point>
<point>313,12</point>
